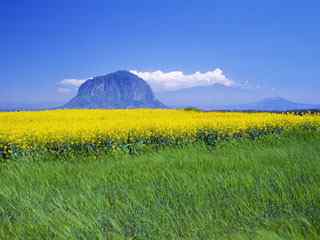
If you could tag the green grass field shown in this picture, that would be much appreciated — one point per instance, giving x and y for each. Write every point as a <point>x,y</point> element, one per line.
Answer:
<point>263,189</point>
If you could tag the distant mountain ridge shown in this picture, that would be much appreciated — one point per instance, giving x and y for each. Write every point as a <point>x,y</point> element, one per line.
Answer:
<point>205,97</point>
<point>219,97</point>
<point>273,104</point>
<point>120,89</point>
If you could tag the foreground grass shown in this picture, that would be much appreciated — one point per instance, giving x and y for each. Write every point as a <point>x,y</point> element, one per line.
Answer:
<point>265,189</point>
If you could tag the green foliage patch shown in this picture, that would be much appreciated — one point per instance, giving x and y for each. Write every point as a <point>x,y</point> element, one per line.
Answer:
<point>266,188</point>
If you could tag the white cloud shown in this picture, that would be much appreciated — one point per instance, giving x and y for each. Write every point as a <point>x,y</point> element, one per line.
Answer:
<point>69,85</point>
<point>63,90</point>
<point>72,82</point>
<point>174,80</point>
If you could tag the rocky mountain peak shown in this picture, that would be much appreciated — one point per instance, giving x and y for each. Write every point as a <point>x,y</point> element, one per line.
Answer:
<point>121,89</point>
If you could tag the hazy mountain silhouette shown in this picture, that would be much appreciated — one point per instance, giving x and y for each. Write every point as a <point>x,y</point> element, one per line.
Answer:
<point>272,104</point>
<point>120,89</point>
<point>205,97</point>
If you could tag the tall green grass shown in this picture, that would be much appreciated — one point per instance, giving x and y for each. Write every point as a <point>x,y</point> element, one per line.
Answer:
<point>263,189</point>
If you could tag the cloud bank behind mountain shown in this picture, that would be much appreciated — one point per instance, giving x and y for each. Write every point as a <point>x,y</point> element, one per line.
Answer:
<point>174,80</point>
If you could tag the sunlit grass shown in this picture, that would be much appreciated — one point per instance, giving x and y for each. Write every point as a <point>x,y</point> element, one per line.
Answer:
<point>263,189</point>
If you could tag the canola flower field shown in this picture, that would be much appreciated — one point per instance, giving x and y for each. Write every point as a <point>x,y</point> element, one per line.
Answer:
<point>109,130</point>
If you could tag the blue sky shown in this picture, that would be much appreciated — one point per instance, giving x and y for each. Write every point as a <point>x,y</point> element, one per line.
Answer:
<point>273,44</point>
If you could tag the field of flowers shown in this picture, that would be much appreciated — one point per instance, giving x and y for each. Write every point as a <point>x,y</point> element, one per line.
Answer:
<point>108,130</point>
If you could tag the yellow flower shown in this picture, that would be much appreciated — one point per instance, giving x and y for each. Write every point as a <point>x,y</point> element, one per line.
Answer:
<point>31,129</point>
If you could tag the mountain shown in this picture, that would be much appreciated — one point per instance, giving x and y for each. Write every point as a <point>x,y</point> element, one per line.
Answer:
<point>220,97</point>
<point>207,97</point>
<point>272,104</point>
<point>120,89</point>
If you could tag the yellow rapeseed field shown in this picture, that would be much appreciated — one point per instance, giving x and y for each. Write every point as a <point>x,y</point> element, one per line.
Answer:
<point>27,130</point>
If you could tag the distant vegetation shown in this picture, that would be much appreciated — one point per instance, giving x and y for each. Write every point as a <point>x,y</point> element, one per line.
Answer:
<point>294,111</point>
<point>193,109</point>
